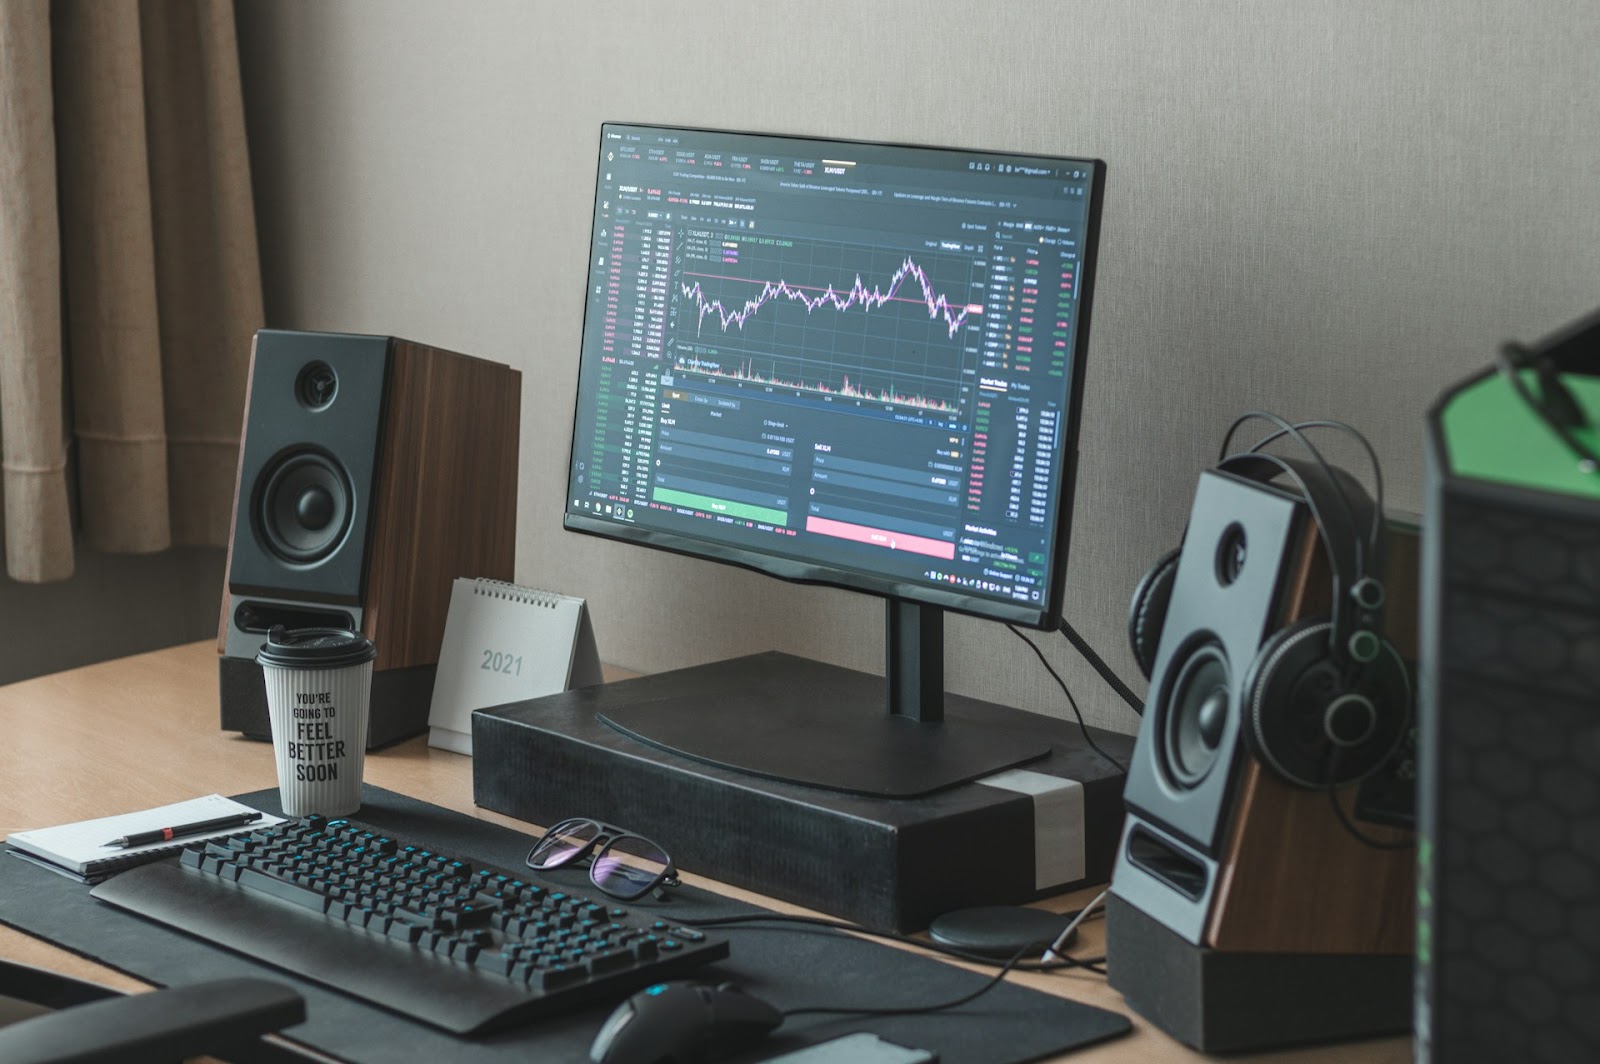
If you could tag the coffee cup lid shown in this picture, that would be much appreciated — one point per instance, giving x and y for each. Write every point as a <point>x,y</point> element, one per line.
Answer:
<point>315,648</point>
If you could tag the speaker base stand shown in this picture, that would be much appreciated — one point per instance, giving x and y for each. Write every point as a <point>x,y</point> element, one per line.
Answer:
<point>401,699</point>
<point>1221,1002</point>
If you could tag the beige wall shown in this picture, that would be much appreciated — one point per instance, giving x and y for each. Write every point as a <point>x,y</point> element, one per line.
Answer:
<point>1318,209</point>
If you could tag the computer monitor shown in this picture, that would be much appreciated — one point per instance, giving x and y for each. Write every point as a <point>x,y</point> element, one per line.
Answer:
<point>841,363</point>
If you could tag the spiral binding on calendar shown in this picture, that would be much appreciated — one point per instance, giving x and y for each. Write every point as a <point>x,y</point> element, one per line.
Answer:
<point>502,589</point>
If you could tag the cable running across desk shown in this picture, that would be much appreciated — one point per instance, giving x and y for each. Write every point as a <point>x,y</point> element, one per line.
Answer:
<point>1092,964</point>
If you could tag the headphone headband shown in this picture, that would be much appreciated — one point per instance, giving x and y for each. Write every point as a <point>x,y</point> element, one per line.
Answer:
<point>1338,512</point>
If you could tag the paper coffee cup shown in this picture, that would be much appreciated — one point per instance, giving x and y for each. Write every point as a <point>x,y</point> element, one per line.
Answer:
<point>319,686</point>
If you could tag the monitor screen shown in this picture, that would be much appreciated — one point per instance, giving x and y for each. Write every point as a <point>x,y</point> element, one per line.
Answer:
<point>838,362</point>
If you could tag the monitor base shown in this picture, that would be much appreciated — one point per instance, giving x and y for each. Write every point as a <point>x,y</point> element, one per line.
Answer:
<point>901,736</point>
<point>825,729</point>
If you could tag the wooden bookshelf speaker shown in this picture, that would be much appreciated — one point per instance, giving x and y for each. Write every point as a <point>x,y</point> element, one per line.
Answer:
<point>372,473</point>
<point>1244,911</point>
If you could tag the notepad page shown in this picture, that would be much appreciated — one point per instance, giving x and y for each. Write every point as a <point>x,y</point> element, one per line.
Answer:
<point>80,845</point>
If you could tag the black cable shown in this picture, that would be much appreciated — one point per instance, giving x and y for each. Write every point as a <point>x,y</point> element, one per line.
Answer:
<point>1293,431</point>
<point>1344,818</point>
<point>1372,461</point>
<point>1359,835</point>
<point>912,1010</point>
<point>1073,702</point>
<point>1081,645</point>
<point>1093,964</point>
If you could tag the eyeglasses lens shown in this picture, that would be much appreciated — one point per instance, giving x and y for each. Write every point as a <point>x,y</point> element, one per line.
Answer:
<point>629,867</point>
<point>563,843</point>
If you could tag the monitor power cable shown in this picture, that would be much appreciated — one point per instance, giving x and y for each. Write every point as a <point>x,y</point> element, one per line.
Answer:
<point>1073,702</point>
<point>1081,645</point>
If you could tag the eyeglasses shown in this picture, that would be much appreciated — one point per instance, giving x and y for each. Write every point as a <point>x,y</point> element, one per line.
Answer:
<point>624,865</point>
<point>1553,402</point>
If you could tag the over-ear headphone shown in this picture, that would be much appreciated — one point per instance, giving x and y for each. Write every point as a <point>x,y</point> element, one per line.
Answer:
<point>1327,699</point>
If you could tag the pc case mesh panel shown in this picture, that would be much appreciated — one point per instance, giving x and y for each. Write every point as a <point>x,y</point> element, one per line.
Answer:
<point>1515,728</point>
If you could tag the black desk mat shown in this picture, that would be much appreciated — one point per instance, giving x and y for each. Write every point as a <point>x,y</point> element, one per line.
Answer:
<point>789,966</point>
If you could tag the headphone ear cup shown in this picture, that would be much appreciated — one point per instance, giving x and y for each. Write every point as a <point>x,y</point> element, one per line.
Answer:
<point>1148,610</point>
<point>1304,720</point>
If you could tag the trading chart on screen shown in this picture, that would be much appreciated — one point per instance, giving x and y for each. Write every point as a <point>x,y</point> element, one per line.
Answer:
<point>853,354</point>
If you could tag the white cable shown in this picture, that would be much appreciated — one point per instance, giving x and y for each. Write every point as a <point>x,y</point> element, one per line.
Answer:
<point>1054,952</point>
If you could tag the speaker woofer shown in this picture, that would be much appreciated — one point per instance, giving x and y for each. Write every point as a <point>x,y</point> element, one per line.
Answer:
<point>304,507</point>
<point>1195,716</point>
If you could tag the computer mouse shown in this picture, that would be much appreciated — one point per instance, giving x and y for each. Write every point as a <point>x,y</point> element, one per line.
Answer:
<point>682,1023</point>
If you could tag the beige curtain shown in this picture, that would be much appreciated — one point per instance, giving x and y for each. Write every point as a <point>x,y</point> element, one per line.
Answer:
<point>129,277</point>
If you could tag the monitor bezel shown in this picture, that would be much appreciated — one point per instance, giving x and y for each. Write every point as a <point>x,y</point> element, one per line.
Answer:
<point>1045,616</point>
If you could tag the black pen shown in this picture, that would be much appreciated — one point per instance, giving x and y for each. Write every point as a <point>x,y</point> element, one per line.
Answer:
<point>139,838</point>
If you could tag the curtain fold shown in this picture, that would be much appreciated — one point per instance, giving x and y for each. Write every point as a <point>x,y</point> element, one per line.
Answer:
<point>33,440</point>
<point>130,262</point>
<point>207,257</point>
<point>113,336</point>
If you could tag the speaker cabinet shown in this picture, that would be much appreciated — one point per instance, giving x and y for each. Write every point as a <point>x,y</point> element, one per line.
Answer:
<point>1509,920</point>
<point>1242,913</point>
<point>373,472</point>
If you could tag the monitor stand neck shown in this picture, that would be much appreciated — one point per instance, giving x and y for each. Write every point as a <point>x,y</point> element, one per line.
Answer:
<point>914,661</point>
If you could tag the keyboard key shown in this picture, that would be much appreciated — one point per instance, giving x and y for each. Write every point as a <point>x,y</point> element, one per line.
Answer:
<point>404,932</point>
<point>610,960</point>
<point>557,975</point>
<point>282,889</point>
<point>467,915</point>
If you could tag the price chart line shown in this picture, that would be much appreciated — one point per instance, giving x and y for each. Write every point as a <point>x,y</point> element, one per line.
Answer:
<point>938,305</point>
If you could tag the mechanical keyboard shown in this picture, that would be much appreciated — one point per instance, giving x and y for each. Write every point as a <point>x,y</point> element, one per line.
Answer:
<point>462,947</point>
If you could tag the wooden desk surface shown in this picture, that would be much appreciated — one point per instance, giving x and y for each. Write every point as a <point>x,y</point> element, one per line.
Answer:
<point>142,731</point>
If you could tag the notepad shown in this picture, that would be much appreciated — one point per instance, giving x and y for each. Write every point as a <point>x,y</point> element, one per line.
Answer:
<point>79,850</point>
<point>505,643</point>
